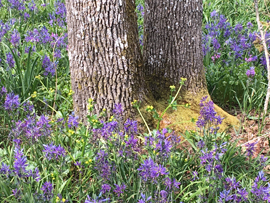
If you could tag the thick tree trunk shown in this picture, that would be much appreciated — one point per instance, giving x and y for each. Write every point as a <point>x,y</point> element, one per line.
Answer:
<point>172,45</point>
<point>104,54</point>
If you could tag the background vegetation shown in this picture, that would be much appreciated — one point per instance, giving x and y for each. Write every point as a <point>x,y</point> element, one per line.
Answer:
<point>46,155</point>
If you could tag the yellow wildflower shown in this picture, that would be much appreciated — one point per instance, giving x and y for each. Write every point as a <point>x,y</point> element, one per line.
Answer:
<point>34,94</point>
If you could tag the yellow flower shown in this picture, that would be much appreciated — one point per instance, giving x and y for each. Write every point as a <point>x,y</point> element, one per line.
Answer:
<point>63,199</point>
<point>111,119</point>
<point>172,87</point>
<point>87,162</point>
<point>57,199</point>
<point>134,102</point>
<point>51,90</point>
<point>38,77</point>
<point>183,79</point>
<point>70,92</point>
<point>104,110</point>
<point>187,105</point>
<point>186,159</point>
<point>126,136</point>
<point>90,100</point>
<point>71,132</point>
<point>90,160</point>
<point>34,94</point>
<point>89,106</point>
<point>149,108</point>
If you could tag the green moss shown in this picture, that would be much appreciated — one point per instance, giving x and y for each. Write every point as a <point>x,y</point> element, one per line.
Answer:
<point>180,120</point>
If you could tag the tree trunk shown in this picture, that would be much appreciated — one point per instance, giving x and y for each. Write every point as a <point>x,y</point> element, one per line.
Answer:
<point>172,45</point>
<point>104,54</point>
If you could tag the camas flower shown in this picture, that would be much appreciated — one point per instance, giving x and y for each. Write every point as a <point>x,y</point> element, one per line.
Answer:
<point>73,121</point>
<point>251,72</point>
<point>250,148</point>
<point>11,102</point>
<point>47,189</point>
<point>119,189</point>
<point>97,200</point>
<point>20,163</point>
<point>15,38</point>
<point>105,188</point>
<point>54,152</point>
<point>10,60</point>
<point>208,115</point>
<point>150,171</point>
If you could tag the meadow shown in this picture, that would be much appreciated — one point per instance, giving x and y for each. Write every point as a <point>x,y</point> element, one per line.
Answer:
<point>47,155</point>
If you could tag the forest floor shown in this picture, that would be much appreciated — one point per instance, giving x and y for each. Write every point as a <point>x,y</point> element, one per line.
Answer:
<point>252,131</point>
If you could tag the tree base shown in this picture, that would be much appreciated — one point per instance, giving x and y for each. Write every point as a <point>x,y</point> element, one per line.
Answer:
<point>181,119</point>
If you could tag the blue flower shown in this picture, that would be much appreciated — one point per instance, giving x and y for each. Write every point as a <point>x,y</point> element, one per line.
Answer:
<point>11,102</point>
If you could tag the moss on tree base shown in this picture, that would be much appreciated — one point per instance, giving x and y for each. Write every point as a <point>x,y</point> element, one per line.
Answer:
<point>180,120</point>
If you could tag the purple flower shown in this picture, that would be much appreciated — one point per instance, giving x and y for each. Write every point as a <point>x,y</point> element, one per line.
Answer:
<point>243,194</point>
<point>225,196</point>
<point>238,28</point>
<point>105,188</point>
<point>11,102</point>
<point>5,169</point>
<point>250,148</point>
<point>251,72</point>
<point>144,199</point>
<point>3,91</point>
<point>47,189</point>
<point>54,152</point>
<point>249,25</point>
<point>163,195</point>
<point>201,144</point>
<point>214,14</point>
<point>90,200</point>
<point>118,110</point>
<point>216,44</point>
<point>73,121</point>
<point>140,7</point>
<point>231,183</point>
<point>26,50</point>
<point>57,53</point>
<point>20,163</point>
<point>208,115</point>
<point>102,165</point>
<point>15,38</point>
<point>119,189</point>
<point>18,5</point>
<point>150,171</point>
<point>195,175</point>
<point>50,67</point>
<point>10,60</point>
<point>16,193</point>
<point>130,127</point>
<point>44,35</point>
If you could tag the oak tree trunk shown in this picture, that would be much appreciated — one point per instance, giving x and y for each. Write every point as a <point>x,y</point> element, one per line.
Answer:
<point>172,45</point>
<point>104,54</point>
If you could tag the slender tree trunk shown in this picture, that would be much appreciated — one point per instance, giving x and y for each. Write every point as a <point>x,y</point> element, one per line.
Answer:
<point>172,44</point>
<point>104,54</point>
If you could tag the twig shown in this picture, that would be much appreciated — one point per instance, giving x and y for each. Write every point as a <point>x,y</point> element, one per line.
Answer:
<point>266,55</point>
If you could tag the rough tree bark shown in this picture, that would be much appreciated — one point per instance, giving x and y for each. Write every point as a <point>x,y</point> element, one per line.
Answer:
<point>106,62</point>
<point>172,44</point>
<point>104,54</point>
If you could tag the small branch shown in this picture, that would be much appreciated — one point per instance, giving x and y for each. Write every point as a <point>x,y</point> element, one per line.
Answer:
<point>266,55</point>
